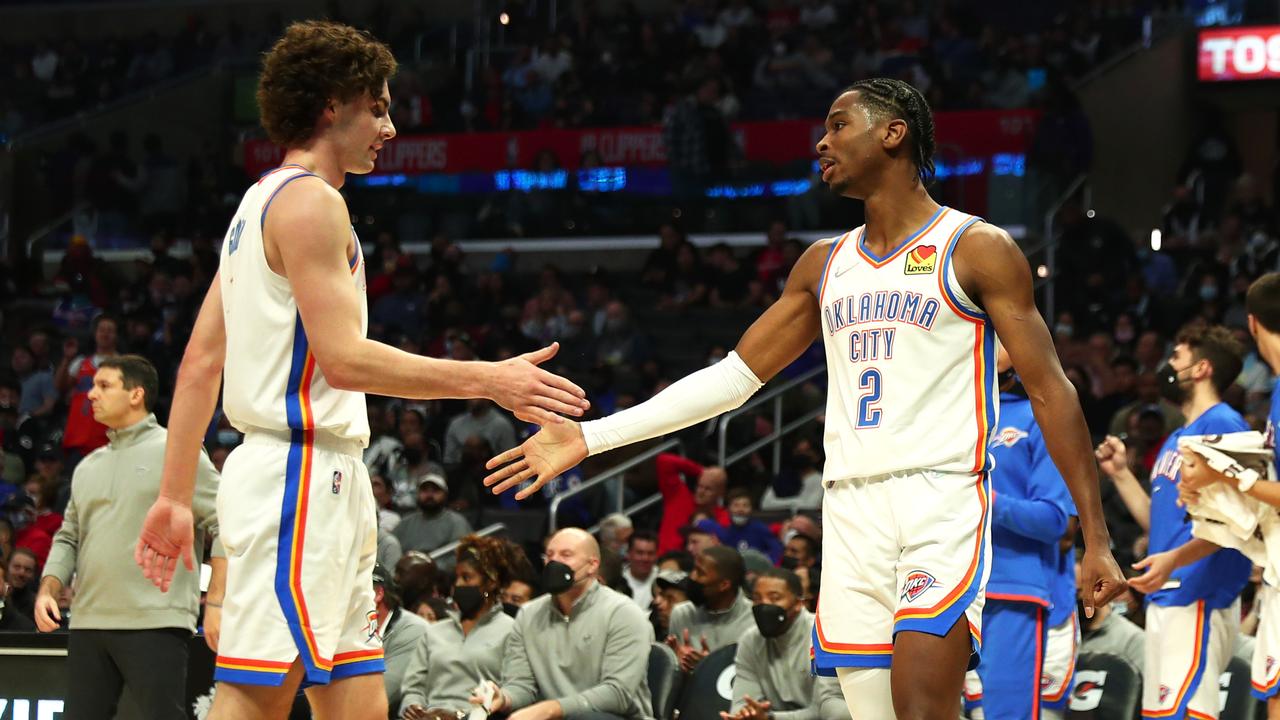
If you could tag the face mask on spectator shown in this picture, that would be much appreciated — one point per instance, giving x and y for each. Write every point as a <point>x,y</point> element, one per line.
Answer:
<point>557,577</point>
<point>469,599</point>
<point>1208,292</point>
<point>739,520</point>
<point>510,608</point>
<point>1124,335</point>
<point>1064,329</point>
<point>771,619</point>
<point>788,563</point>
<point>695,591</point>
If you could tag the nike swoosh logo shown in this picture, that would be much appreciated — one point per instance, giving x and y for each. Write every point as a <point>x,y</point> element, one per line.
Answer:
<point>843,270</point>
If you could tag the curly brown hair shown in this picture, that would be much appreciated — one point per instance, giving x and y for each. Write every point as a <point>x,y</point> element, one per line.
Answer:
<point>316,61</point>
<point>500,561</point>
<point>1216,344</point>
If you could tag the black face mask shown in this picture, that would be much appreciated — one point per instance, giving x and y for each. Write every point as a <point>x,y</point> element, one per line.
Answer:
<point>771,619</point>
<point>788,563</point>
<point>469,599</point>
<point>510,609</point>
<point>696,593</point>
<point>557,577</point>
<point>1170,386</point>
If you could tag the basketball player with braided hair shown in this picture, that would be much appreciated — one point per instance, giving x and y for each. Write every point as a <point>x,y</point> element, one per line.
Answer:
<point>908,307</point>
<point>465,649</point>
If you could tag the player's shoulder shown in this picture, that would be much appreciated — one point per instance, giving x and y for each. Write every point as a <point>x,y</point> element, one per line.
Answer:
<point>983,233</point>
<point>307,197</point>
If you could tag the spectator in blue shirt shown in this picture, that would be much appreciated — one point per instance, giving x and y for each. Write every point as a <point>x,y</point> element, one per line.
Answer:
<point>746,533</point>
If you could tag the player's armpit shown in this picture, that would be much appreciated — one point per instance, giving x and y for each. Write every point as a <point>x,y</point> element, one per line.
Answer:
<point>309,230</point>
<point>791,324</point>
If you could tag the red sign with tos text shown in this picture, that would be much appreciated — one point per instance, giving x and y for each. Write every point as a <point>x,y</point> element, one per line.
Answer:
<point>1240,53</point>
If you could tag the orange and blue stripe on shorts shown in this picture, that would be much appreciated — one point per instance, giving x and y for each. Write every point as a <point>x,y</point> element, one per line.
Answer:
<point>1187,689</point>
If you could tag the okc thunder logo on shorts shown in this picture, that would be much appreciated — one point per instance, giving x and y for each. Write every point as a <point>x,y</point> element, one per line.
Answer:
<point>1271,662</point>
<point>917,582</point>
<point>1164,693</point>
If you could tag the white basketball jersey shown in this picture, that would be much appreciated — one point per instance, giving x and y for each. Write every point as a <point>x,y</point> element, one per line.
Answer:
<point>910,359</point>
<point>272,381</point>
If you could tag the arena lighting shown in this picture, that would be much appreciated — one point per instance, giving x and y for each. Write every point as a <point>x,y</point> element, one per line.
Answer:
<point>1155,239</point>
<point>1090,213</point>
<point>504,18</point>
<point>1042,271</point>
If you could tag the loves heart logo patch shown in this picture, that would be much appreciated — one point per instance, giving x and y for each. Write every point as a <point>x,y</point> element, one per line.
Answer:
<point>921,260</point>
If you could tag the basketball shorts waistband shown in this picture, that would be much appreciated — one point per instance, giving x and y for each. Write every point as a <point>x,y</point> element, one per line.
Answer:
<point>319,438</point>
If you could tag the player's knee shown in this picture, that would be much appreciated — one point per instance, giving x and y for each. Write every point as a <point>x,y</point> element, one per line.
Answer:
<point>867,693</point>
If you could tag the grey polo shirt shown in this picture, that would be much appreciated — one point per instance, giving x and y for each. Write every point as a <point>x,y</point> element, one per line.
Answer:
<point>447,665</point>
<point>778,670</point>
<point>721,627</point>
<point>595,659</point>
<point>111,491</point>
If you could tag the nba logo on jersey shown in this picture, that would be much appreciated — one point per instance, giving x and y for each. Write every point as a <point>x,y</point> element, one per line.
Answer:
<point>337,482</point>
<point>921,260</point>
<point>918,581</point>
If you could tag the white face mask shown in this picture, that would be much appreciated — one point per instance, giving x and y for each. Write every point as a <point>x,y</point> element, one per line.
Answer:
<point>739,520</point>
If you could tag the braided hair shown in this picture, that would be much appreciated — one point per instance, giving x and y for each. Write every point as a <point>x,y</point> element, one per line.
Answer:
<point>896,100</point>
<point>500,561</point>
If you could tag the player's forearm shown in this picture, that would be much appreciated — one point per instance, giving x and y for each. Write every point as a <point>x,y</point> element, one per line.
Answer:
<point>1192,551</point>
<point>1267,491</point>
<point>376,368</point>
<point>1134,497</point>
<point>195,395</point>
<point>696,397</point>
<point>1057,409</point>
<point>217,580</point>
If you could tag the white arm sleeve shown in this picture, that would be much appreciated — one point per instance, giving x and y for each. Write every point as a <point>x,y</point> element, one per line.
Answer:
<point>696,397</point>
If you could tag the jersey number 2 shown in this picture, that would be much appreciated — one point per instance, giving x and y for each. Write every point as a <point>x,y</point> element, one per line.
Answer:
<point>868,412</point>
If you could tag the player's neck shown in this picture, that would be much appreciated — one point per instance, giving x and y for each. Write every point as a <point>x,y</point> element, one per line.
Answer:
<point>317,159</point>
<point>1202,398</point>
<point>1269,351</point>
<point>893,213</point>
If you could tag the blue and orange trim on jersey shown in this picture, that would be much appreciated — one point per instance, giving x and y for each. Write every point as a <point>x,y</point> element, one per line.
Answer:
<point>360,662</point>
<point>878,262</point>
<point>1199,657</point>
<point>984,352</point>
<point>1016,597</point>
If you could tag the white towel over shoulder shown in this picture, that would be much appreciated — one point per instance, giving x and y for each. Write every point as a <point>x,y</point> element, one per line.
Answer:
<point>1227,517</point>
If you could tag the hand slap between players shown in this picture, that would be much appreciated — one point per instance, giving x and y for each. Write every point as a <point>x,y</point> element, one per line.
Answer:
<point>548,453</point>
<point>533,394</point>
<point>167,534</point>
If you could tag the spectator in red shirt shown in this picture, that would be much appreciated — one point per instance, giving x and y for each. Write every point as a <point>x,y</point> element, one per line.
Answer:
<point>680,503</point>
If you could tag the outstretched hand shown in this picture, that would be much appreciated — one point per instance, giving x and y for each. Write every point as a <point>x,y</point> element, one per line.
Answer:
<point>533,394</point>
<point>547,454</point>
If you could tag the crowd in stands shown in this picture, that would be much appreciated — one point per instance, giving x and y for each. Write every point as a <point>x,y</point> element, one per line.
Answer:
<point>773,59</point>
